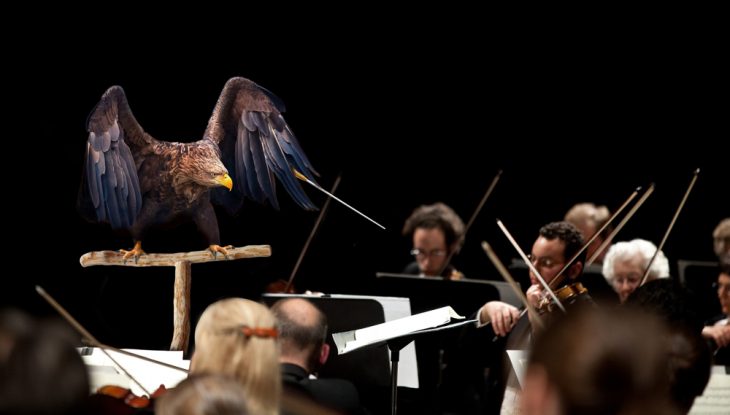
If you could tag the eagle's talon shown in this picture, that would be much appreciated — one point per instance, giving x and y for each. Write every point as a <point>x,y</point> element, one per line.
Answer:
<point>215,249</point>
<point>135,252</point>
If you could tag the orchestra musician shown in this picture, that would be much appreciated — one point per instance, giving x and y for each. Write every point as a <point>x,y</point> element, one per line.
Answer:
<point>204,395</point>
<point>237,337</point>
<point>589,218</point>
<point>40,370</point>
<point>721,241</point>
<point>437,233</point>
<point>718,329</point>
<point>689,359</point>
<point>625,263</point>
<point>302,334</point>
<point>622,367</point>
<point>555,245</point>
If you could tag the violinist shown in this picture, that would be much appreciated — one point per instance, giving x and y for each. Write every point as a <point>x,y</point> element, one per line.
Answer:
<point>556,244</point>
<point>626,262</point>
<point>237,337</point>
<point>721,241</point>
<point>302,334</point>
<point>718,329</point>
<point>589,218</point>
<point>437,233</point>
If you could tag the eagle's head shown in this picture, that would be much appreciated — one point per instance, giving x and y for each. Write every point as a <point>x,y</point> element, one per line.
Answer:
<point>203,166</point>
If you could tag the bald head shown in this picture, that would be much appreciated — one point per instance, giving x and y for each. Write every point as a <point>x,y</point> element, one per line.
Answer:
<point>300,311</point>
<point>302,329</point>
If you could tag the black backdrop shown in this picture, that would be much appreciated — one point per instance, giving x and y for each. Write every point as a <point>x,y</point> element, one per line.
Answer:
<point>404,124</point>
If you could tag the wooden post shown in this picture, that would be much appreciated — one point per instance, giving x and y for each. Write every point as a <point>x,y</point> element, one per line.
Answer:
<point>181,307</point>
<point>182,261</point>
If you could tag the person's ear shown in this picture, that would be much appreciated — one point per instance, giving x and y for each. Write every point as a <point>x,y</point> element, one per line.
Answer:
<point>324,353</point>
<point>575,270</point>
<point>192,361</point>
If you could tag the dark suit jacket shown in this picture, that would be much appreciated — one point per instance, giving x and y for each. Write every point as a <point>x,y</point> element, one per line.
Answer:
<point>721,355</point>
<point>338,394</point>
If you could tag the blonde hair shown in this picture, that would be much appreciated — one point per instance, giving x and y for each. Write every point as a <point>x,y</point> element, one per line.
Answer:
<point>222,347</point>
<point>722,230</point>
<point>588,214</point>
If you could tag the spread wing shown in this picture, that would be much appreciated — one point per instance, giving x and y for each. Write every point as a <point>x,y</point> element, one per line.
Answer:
<point>256,145</point>
<point>116,147</point>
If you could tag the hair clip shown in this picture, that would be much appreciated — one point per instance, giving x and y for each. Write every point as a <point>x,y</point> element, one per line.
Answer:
<point>259,331</point>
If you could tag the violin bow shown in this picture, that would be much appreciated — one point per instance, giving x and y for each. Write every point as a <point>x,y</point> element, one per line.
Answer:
<point>474,215</point>
<point>620,225</point>
<point>312,233</point>
<point>90,339</point>
<point>671,225</point>
<point>530,265</point>
<point>559,276</point>
<point>513,284</point>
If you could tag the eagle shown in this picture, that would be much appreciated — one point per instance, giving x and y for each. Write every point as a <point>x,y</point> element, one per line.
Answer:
<point>134,181</point>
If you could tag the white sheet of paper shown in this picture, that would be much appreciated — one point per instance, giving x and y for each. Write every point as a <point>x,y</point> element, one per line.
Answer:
<point>716,397</point>
<point>399,327</point>
<point>518,359</point>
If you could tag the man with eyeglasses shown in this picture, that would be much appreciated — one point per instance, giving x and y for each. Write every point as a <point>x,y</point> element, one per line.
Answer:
<point>437,233</point>
<point>719,329</point>
<point>555,245</point>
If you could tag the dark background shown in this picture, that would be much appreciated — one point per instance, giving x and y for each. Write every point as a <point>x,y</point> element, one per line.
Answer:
<point>414,120</point>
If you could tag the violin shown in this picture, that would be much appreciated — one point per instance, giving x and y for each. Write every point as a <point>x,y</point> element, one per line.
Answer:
<point>280,287</point>
<point>567,295</point>
<point>117,400</point>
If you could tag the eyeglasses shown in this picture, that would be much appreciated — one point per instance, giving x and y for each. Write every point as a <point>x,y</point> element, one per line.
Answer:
<point>543,262</point>
<point>631,279</point>
<point>717,286</point>
<point>422,254</point>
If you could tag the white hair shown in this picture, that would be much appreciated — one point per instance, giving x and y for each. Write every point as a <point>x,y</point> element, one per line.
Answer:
<point>623,251</point>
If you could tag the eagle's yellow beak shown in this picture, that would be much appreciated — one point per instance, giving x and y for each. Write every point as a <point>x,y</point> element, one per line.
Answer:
<point>225,181</point>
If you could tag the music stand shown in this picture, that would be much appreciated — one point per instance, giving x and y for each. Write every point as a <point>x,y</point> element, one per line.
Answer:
<point>396,343</point>
<point>426,293</point>
<point>441,352</point>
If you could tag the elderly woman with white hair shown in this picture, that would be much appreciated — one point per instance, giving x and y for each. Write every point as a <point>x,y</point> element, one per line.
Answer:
<point>626,262</point>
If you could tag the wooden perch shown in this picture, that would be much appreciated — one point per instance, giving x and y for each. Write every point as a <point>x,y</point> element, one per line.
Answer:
<point>169,260</point>
<point>182,261</point>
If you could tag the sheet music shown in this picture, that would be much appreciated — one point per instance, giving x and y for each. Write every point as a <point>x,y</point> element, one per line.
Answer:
<point>395,308</point>
<point>355,339</point>
<point>103,372</point>
<point>716,398</point>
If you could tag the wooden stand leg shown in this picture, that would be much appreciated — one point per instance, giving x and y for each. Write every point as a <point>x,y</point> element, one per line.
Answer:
<point>181,307</point>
